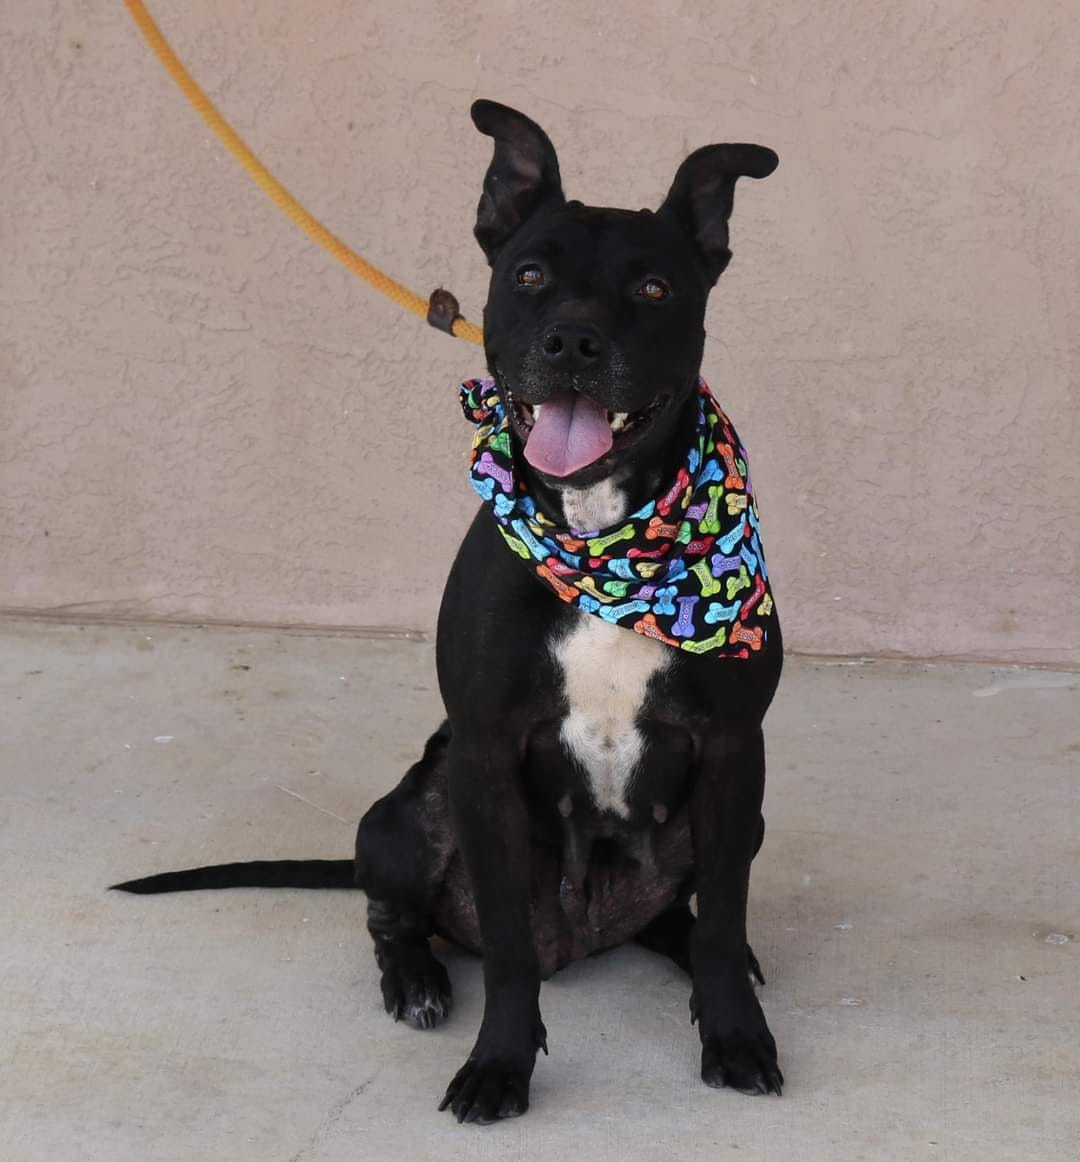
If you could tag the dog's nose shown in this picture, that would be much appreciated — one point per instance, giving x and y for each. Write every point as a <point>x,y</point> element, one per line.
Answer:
<point>573,346</point>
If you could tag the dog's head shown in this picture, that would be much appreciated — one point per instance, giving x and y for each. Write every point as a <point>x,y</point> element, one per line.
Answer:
<point>594,323</point>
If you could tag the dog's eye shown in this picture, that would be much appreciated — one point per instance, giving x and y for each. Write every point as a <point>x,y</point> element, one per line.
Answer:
<point>530,276</point>
<point>654,290</point>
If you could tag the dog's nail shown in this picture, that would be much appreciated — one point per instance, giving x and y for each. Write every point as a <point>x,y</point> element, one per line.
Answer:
<point>659,812</point>
<point>566,806</point>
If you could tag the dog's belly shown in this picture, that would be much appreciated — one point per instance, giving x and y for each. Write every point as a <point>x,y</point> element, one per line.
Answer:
<point>622,897</point>
<point>607,674</point>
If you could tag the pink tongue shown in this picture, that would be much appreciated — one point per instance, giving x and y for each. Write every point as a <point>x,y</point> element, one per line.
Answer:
<point>570,433</point>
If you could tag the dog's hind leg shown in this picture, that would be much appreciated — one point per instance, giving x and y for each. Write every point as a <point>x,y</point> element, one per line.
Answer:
<point>670,935</point>
<point>671,932</point>
<point>403,844</point>
<point>414,983</point>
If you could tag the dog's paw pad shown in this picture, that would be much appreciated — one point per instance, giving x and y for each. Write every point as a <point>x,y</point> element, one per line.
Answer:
<point>742,1061</point>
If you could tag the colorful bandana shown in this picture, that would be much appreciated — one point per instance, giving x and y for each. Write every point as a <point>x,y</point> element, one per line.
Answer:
<point>687,569</point>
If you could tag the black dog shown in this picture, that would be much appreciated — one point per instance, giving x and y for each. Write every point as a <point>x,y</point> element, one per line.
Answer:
<point>588,779</point>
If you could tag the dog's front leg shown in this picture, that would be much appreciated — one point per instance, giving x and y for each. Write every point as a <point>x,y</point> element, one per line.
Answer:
<point>492,827</point>
<point>737,1048</point>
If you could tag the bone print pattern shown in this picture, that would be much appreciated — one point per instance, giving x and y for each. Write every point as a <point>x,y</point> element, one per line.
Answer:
<point>656,575</point>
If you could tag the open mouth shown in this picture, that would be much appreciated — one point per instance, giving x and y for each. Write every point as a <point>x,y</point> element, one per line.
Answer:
<point>624,425</point>
<point>570,432</point>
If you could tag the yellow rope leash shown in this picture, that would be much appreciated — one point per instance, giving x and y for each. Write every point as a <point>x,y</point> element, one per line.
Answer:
<point>440,310</point>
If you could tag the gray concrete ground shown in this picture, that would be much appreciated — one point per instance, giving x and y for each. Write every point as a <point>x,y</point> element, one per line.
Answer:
<point>915,907</point>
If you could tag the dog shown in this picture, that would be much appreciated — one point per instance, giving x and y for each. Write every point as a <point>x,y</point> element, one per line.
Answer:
<point>588,779</point>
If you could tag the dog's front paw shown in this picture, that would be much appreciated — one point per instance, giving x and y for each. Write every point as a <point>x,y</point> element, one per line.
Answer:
<point>416,990</point>
<point>484,1091</point>
<point>742,1059</point>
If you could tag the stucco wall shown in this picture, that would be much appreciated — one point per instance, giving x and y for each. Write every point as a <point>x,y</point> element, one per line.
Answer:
<point>201,416</point>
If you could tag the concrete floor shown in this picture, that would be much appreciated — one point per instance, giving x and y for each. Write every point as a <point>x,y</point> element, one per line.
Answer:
<point>916,909</point>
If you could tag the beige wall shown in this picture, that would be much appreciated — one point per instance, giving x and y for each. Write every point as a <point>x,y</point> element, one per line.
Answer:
<point>202,417</point>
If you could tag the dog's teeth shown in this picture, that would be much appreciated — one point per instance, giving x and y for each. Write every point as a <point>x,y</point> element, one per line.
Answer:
<point>535,409</point>
<point>618,421</point>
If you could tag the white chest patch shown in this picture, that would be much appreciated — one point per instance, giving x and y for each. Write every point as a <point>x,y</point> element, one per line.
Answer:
<point>598,507</point>
<point>606,672</point>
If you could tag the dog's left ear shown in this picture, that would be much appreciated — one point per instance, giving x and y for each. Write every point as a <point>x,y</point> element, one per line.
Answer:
<point>522,177</point>
<point>702,194</point>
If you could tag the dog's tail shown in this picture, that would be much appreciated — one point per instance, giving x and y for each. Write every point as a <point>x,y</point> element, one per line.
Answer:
<point>260,873</point>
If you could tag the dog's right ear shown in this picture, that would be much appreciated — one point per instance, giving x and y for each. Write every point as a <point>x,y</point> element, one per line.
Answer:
<point>701,197</point>
<point>522,177</point>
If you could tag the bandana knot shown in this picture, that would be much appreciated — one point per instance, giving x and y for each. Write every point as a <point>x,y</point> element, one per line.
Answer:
<point>686,569</point>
